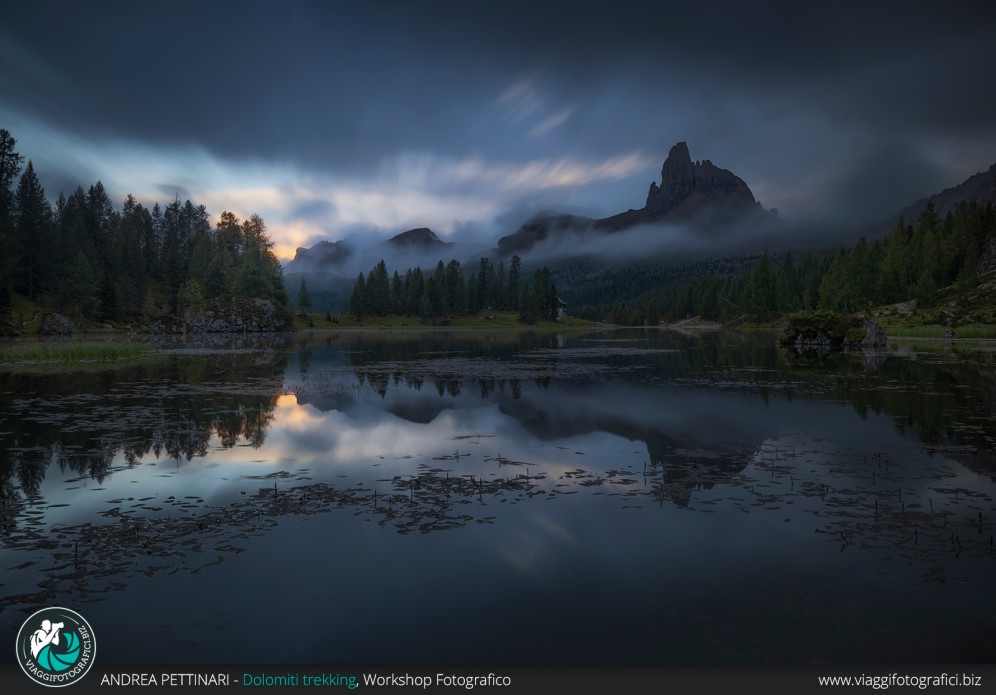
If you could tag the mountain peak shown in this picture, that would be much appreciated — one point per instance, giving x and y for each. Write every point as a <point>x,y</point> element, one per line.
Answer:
<point>323,252</point>
<point>678,155</point>
<point>696,193</point>
<point>689,188</point>
<point>422,236</point>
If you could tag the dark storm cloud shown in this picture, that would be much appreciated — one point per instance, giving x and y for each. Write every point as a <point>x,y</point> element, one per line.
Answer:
<point>883,181</point>
<point>814,107</point>
<point>312,210</point>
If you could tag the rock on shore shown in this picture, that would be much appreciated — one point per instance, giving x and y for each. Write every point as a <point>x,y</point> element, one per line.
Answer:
<point>827,330</point>
<point>55,324</point>
<point>228,315</point>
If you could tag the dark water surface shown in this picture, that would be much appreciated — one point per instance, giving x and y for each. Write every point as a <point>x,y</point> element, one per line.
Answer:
<point>615,497</point>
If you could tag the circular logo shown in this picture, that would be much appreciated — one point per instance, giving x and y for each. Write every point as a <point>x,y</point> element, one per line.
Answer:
<point>55,647</point>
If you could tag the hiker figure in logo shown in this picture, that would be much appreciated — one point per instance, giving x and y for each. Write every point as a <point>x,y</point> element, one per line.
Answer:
<point>47,634</point>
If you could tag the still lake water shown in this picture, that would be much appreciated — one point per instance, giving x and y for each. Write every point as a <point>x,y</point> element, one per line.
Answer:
<point>615,497</point>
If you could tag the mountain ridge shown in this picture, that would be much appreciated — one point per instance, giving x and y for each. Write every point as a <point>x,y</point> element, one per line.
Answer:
<point>980,187</point>
<point>696,193</point>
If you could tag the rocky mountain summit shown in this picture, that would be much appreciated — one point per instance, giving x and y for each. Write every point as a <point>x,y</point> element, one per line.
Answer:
<point>423,239</point>
<point>321,255</point>
<point>696,193</point>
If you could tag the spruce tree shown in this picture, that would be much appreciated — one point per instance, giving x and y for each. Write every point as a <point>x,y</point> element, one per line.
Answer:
<point>32,225</point>
<point>357,299</point>
<point>10,167</point>
<point>303,297</point>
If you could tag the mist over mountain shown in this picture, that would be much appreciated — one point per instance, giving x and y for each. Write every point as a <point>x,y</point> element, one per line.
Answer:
<point>695,204</point>
<point>696,212</point>
<point>423,239</point>
<point>693,195</point>
<point>356,254</point>
<point>980,187</point>
<point>322,256</point>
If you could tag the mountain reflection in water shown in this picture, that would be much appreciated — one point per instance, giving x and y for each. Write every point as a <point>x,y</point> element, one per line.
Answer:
<point>721,452</point>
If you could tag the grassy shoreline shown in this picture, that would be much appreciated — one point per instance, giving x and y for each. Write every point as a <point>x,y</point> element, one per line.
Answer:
<point>73,351</point>
<point>490,320</point>
<point>108,346</point>
<point>977,331</point>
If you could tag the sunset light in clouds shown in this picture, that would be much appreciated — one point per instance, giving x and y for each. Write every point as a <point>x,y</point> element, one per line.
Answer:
<point>328,129</point>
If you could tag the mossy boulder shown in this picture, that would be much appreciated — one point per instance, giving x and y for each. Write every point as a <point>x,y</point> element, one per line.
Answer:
<point>228,315</point>
<point>828,330</point>
<point>55,324</point>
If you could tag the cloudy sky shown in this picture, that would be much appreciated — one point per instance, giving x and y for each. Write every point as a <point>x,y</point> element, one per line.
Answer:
<point>335,118</point>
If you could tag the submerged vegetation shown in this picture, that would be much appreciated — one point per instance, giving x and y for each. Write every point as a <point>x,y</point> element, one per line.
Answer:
<point>72,351</point>
<point>499,320</point>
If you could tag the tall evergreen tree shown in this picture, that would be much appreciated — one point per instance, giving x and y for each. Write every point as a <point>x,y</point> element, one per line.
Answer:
<point>357,299</point>
<point>10,167</point>
<point>455,288</point>
<point>32,225</point>
<point>762,287</point>
<point>378,290</point>
<point>514,289</point>
<point>303,296</point>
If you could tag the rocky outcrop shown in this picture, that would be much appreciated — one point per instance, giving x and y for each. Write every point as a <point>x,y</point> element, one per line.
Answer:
<point>874,338</point>
<point>423,239</point>
<point>323,256</point>
<point>687,187</point>
<point>228,315</point>
<point>826,330</point>
<point>698,193</point>
<point>167,325</point>
<point>691,191</point>
<point>55,324</point>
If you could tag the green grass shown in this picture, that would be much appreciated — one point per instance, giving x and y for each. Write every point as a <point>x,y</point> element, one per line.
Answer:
<point>927,331</point>
<point>72,351</point>
<point>496,319</point>
<point>25,314</point>
<point>984,331</point>
<point>974,331</point>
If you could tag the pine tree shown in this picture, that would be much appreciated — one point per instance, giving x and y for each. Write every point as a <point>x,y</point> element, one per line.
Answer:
<point>10,167</point>
<point>833,289</point>
<point>926,288</point>
<point>455,288</point>
<point>357,299</point>
<point>762,287</point>
<point>397,293</point>
<point>378,290</point>
<point>514,281</point>
<point>527,304</point>
<point>303,297</point>
<point>32,225</point>
<point>501,291</point>
<point>79,291</point>
<point>6,313</point>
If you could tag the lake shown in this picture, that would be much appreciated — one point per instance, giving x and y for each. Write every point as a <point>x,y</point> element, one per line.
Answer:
<point>623,496</point>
